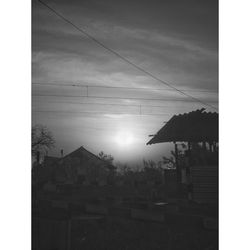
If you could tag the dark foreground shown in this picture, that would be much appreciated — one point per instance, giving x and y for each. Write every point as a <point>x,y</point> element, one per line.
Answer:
<point>126,224</point>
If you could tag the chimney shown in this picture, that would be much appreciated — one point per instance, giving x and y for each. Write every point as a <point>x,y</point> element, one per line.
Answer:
<point>62,153</point>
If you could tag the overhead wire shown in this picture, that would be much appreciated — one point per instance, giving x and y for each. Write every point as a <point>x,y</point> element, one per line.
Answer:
<point>110,97</point>
<point>117,87</point>
<point>98,113</point>
<point>113,104</point>
<point>124,58</point>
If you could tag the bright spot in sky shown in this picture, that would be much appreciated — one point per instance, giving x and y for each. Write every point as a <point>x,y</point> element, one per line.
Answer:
<point>124,138</point>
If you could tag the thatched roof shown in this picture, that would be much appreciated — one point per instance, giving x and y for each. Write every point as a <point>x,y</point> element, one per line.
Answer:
<point>196,126</point>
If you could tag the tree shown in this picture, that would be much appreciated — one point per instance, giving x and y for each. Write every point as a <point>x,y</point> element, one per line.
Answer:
<point>169,162</point>
<point>111,168</point>
<point>42,139</point>
<point>152,171</point>
<point>108,158</point>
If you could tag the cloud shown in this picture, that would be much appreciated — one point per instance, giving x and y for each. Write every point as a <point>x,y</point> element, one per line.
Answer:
<point>168,56</point>
<point>174,40</point>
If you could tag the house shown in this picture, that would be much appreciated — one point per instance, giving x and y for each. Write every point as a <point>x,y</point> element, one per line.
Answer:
<point>198,167</point>
<point>80,167</point>
<point>44,172</point>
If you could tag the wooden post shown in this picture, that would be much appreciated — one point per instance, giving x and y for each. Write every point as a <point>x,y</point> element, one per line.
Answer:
<point>177,163</point>
<point>215,147</point>
<point>189,154</point>
<point>210,146</point>
<point>204,145</point>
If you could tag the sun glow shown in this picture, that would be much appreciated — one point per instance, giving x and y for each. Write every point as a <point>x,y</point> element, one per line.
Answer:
<point>124,138</point>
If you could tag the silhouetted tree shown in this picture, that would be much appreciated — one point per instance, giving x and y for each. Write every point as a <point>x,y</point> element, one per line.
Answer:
<point>123,169</point>
<point>169,162</point>
<point>152,171</point>
<point>111,168</point>
<point>42,139</point>
<point>108,158</point>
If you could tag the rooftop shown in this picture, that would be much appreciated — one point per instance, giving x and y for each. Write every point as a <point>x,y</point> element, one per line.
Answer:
<point>195,126</point>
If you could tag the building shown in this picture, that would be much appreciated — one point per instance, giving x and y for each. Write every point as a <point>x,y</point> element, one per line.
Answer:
<point>198,166</point>
<point>196,126</point>
<point>79,167</point>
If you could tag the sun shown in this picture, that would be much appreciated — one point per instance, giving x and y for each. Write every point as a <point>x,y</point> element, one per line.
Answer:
<point>124,138</point>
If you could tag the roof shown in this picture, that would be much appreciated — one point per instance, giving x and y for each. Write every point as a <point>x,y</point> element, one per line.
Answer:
<point>196,126</point>
<point>84,154</point>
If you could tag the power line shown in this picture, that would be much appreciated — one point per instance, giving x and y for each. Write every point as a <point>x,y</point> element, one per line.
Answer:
<point>120,87</point>
<point>103,104</point>
<point>123,58</point>
<point>105,97</point>
<point>116,104</point>
<point>96,113</point>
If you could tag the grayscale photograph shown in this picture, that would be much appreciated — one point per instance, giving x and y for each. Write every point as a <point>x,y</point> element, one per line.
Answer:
<point>124,125</point>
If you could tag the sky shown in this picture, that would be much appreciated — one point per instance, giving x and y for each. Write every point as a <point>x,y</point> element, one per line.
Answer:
<point>114,107</point>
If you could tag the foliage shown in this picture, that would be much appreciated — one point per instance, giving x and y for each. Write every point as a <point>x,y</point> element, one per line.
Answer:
<point>152,171</point>
<point>124,169</point>
<point>169,162</point>
<point>108,158</point>
<point>42,139</point>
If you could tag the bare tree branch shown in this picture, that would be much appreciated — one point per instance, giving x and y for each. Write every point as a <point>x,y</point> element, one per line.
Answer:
<point>42,139</point>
